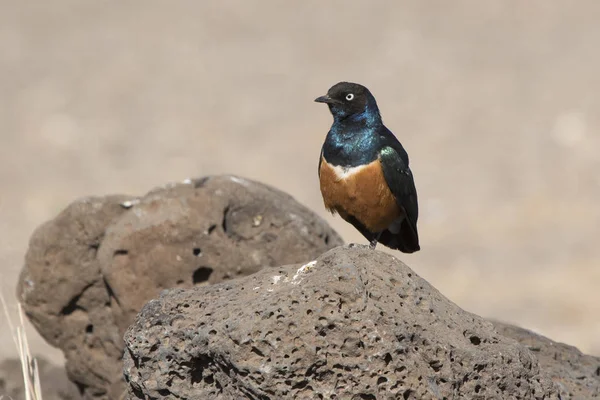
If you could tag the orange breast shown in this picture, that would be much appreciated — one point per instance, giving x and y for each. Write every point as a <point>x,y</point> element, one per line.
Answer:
<point>361,192</point>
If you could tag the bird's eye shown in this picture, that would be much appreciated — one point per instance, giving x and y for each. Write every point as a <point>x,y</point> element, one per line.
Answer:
<point>349,96</point>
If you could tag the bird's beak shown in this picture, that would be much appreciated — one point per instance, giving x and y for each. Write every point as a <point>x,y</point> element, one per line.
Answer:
<point>325,99</point>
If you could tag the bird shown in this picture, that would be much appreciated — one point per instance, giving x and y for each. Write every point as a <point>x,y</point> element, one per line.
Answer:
<point>364,172</point>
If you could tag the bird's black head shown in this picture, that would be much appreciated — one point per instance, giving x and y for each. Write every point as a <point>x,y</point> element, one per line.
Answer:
<point>350,100</point>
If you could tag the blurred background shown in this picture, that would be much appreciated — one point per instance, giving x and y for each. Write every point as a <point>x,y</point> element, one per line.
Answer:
<point>497,103</point>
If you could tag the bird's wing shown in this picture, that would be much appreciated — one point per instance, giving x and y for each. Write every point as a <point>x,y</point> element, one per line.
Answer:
<point>320,161</point>
<point>399,179</point>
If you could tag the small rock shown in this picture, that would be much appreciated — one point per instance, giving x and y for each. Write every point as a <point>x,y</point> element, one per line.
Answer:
<point>53,381</point>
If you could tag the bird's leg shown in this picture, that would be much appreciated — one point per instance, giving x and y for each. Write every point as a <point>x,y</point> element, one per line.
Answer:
<point>374,241</point>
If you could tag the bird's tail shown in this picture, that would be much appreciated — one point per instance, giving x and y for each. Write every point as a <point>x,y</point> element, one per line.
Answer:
<point>407,240</point>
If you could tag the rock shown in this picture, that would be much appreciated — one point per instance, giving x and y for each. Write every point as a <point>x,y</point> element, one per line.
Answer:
<point>53,381</point>
<point>577,374</point>
<point>355,324</point>
<point>89,271</point>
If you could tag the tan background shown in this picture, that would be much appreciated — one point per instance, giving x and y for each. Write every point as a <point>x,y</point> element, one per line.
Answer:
<point>497,103</point>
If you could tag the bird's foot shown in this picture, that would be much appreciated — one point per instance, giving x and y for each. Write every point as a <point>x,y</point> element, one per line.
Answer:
<point>373,242</point>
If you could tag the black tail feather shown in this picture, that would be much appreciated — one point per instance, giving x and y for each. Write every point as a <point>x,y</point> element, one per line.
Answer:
<point>407,240</point>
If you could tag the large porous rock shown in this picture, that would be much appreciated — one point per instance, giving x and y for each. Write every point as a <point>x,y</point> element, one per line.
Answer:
<point>576,374</point>
<point>89,271</point>
<point>354,324</point>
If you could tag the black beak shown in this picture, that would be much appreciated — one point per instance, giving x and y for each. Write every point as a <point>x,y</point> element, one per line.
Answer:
<point>325,99</point>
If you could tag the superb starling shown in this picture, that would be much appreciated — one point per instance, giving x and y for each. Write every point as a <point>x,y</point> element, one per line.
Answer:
<point>364,173</point>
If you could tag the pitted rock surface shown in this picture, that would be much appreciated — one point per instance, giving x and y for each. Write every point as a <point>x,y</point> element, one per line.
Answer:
<point>355,324</point>
<point>576,374</point>
<point>89,271</point>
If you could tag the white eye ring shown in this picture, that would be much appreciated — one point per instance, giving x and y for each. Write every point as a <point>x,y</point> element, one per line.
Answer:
<point>349,97</point>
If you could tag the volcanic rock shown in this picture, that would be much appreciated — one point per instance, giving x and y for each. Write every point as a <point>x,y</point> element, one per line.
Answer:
<point>353,324</point>
<point>89,271</point>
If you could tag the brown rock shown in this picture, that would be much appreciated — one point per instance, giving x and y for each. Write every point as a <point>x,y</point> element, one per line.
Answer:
<point>88,272</point>
<point>357,324</point>
<point>576,374</point>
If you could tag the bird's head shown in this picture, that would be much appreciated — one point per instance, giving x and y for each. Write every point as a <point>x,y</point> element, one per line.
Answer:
<point>350,100</point>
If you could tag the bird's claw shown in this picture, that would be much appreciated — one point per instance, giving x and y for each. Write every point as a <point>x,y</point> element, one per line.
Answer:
<point>373,242</point>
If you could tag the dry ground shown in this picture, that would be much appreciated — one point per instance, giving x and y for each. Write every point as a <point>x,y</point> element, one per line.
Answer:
<point>498,104</point>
